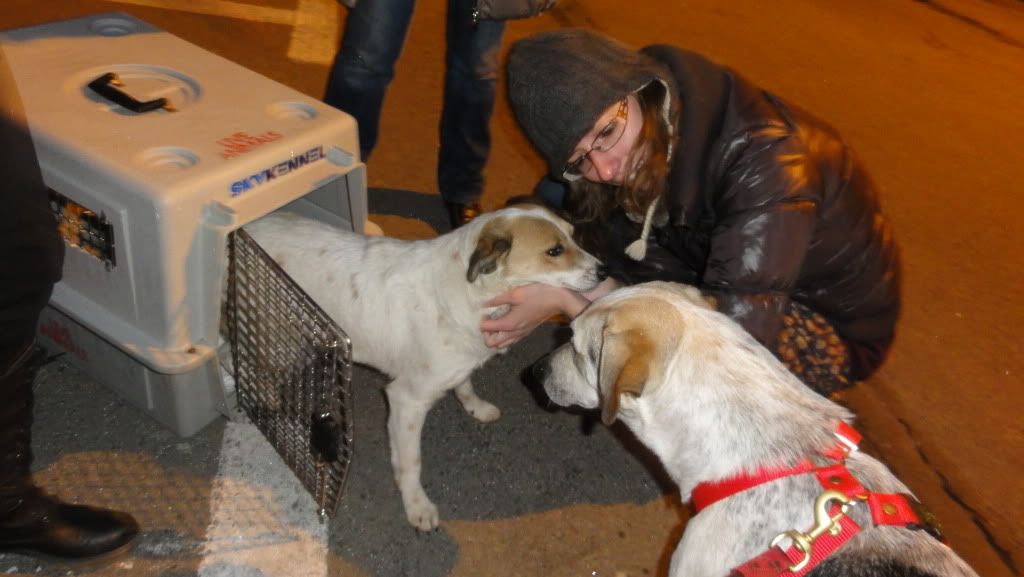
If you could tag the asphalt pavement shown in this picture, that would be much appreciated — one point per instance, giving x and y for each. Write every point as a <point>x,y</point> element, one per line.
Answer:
<point>929,92</point>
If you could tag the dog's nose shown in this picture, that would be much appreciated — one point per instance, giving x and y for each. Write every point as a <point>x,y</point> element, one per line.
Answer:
<point>541,369</point>
<point>602,272</point>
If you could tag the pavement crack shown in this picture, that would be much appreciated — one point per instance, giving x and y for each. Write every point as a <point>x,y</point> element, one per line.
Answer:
<point>976,517</point>
<point>973,22</point>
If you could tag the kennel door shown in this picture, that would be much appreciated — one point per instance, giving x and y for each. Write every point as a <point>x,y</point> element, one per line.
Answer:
<point>293,370</point>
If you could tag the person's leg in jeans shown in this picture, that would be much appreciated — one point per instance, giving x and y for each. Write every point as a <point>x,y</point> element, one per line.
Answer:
<point>551,191</point>
<point>471,78</point>
<point>372,41</point>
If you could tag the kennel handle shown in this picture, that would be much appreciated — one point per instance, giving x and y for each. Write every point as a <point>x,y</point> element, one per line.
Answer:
<point>108,85</point>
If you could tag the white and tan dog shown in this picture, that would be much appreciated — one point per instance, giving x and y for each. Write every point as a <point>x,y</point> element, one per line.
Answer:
<point>413,308</point>
<point>715,405</point>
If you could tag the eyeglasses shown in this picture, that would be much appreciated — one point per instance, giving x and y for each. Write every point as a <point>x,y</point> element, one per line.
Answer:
<point>605,140</point>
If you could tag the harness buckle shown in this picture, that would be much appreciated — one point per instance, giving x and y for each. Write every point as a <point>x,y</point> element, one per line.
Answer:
<point>928,522</point>
<point>823,522</point>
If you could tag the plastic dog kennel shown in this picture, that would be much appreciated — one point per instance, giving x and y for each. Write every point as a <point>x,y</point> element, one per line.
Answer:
<point>156,152</point>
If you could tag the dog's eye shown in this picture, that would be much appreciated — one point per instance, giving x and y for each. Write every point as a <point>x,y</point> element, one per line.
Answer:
<point>556,250</point>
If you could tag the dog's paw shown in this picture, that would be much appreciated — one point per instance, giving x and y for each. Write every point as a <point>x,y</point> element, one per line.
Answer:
<point>483,411</point>
<point>477,408</point>
<point>422,514</point>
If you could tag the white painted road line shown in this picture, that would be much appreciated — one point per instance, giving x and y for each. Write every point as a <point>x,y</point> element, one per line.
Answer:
<point>261,517</point>
<point>223,8</point>
<point>314,35</point>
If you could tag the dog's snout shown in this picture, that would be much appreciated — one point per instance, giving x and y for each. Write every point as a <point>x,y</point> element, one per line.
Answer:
<point>541,369</point>
<point>602,272</point>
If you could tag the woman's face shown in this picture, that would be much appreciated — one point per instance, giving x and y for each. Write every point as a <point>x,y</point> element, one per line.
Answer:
<point>600,163</point>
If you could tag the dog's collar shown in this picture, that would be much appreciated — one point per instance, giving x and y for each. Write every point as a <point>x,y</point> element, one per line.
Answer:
<point>705,494</point>
<point>833,527</point>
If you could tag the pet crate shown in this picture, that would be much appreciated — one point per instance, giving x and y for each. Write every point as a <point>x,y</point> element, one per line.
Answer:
<point>156,152</point>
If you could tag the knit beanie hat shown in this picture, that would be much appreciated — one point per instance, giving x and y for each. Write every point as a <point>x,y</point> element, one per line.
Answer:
<point>559,84</point>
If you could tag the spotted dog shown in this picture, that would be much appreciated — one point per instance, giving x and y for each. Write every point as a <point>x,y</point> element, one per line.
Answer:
<point>413,308</point>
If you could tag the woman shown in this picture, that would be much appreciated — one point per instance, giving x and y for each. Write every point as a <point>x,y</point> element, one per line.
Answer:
<point>679,169</point>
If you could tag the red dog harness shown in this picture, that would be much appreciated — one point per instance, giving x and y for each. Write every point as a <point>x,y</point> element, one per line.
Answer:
<point>833,527</point>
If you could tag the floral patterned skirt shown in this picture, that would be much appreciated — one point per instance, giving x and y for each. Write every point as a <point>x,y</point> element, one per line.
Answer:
<point>810,347</point>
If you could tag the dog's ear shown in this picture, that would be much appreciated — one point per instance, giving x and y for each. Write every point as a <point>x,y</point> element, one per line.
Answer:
<point>489,248</point>
<point>623,369</point>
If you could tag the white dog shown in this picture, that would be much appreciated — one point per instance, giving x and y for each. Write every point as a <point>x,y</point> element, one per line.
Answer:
<point>413,308</point>
<point>727,419</point>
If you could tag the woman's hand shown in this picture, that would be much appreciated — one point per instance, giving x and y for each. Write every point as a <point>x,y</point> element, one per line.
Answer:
<point>606,286</point>
<point>532,304</point>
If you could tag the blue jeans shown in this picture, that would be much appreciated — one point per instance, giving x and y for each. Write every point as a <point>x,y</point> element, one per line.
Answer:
<point>551,191</point>
<point>374,35</point>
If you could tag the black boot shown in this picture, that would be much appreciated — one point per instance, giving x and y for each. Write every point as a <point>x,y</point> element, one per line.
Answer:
<point>460,213</point>
<point>32,522</point>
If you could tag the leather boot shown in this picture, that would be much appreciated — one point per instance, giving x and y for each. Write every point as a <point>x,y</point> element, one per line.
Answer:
<point>32,522</point>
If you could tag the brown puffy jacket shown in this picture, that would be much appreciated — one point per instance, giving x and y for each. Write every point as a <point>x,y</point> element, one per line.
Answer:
<point>767,203</point>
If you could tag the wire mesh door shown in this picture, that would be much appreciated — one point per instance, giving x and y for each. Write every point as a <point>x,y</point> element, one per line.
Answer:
<point>293,370</point>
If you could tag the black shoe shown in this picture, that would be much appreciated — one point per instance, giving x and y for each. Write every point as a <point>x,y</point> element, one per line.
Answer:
<point>460,214</point>
<point>42,524</point>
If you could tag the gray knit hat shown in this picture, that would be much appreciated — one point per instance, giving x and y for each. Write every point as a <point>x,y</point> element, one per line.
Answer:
<point>559,83</point>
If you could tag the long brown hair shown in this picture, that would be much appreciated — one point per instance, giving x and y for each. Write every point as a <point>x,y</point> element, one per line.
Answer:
<point>590,203</point>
